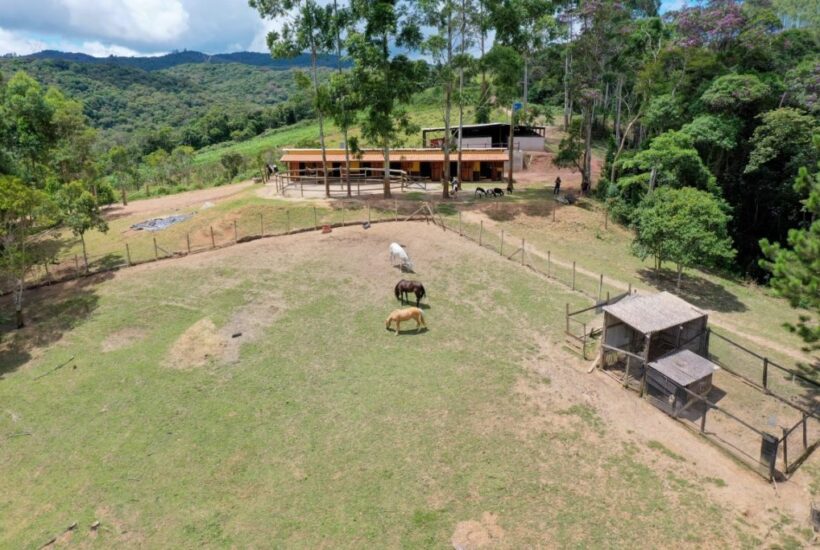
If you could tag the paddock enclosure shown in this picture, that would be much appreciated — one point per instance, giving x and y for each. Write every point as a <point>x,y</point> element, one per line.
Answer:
<point>314,426</point>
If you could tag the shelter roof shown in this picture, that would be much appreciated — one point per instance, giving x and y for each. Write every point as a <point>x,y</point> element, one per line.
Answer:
<point>396,155</point>
<point>482,125</point>
<point>653,312</point>
<point>684,367</point>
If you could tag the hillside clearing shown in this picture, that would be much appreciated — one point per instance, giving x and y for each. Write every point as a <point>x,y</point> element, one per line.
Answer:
<point>328,431</point>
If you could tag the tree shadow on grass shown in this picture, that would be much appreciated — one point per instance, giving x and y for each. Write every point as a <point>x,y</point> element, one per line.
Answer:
<point>696,290</point>
<point>50,312</point>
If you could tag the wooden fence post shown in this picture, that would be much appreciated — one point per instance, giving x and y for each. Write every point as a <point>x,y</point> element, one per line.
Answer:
<point>600,286</point>
<point>573,275</point>
<point>567,320</point>
<point>235,232</point>
<point>261,225</point>
<point>522,251</point>
<point>368,212</point>
<point>549,262</point>
<point>606,218</point>
<point>626,371</point>
<point>77,265</point>
<point>480,232</point>
<point>302,188</point>
<point>630,289</point>
<point>315,219</point>
<point>460,233</point>
<point>396,206</point>
<point>287,226</point>
<point>213,241</point>
<point>188,241</point>
<point>156,250</point>
<point>501,250</point>
<point>554,208</point>
<point>128,254</point>
<point>703,419</point>
<point>765,373</point>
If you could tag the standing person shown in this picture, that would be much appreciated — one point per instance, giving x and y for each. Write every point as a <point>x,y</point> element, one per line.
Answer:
<point>455,186</point>
<point>557,189</point>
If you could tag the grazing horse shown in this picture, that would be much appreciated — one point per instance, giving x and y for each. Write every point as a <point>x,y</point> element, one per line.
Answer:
<point>496,192</point>
<point>398,256</point>
<point>403,287</point>
<point>480,192</point>
<point>399,315</point>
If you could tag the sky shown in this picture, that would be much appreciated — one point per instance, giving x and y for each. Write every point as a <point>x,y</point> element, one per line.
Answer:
<point>137,27</point>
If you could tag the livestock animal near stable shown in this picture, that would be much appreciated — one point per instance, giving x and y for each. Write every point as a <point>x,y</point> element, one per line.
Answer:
<point>404,287</point>
<point>480,192</point>
<point>495,192</point>
<point>399,315</point>
<point>399,257</point>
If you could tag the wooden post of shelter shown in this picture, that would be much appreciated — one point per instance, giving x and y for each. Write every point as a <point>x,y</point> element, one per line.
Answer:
<point>573,275</point>
<point>128,254</point>
<point>213,240</point>
<point>766,373</point>
<point>600,286</point>
<point>785,449</point>
<point>235,232</point>
<point>703,419</point>
<point>646,361</point>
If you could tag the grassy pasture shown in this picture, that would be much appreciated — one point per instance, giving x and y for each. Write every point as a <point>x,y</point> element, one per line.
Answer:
<point>316,427</point>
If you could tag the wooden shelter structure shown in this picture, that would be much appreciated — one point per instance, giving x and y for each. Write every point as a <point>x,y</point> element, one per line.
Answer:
<point>491,134</point>
<point>426,164</point>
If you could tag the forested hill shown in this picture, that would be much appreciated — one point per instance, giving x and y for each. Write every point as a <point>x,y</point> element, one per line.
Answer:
<point>194,104</point>
<point>174,59</point>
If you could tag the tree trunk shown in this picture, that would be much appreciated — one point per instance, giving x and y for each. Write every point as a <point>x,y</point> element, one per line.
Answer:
<point>461,86</point>
<point>18,305</point>
<point>124,197</point>
<point>345,129</point>
<point>680,272</point>
<point>313,55</point>
<point>653,176</point>
<point>567,103</point>
<point>448,101</point>
<point>618,92</point>
<point>386,174</point>
<point>85,254</point>
<point>511,147</point>
<point>586,174</point>
<point>526,83</point>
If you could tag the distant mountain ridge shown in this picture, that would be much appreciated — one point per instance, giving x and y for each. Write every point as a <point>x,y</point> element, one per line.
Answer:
<point>186,57</point>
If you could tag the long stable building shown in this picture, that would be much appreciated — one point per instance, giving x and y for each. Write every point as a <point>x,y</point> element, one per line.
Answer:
<point>491,134</point>
<point>476,164</point>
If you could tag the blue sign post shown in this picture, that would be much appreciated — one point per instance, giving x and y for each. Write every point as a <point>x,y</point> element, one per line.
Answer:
<point>517,106</point>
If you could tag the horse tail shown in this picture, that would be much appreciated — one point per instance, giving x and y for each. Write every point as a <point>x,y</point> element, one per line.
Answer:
<point>396,290</point>
<point>421,317</point>
<point>423,291</point>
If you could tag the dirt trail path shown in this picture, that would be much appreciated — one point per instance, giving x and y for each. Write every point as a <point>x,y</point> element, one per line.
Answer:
<point>178,201</point>
<point>716,318</point>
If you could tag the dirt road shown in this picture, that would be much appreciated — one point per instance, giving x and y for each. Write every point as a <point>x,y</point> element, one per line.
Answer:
<point>179,201</point>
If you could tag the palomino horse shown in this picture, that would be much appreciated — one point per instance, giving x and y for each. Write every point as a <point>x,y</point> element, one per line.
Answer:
<point>406,314</point>
<point>404,287</point>
<point>398,256</point>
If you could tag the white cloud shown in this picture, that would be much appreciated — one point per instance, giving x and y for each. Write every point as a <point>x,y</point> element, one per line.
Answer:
<point>131,20</point>
<point>98,49</point>
<point>12,42</point>
<point>260,39</point>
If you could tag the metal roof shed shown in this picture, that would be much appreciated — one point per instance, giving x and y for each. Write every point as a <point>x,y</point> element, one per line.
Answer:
<point>672,379</point>
<point>663,321</point>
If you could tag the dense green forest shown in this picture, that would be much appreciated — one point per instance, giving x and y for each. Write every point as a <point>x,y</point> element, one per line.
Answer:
<point>195,104</point>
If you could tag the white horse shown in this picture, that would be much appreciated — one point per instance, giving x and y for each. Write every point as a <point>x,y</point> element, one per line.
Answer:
<point>398,256</point>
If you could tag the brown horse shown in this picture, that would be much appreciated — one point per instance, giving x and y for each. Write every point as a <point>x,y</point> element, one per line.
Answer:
<point>404,286</point>
<point>399,315</point>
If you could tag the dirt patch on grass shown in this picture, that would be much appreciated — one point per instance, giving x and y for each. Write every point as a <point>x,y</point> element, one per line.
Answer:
<point>196,346</point>
<point>122,339</point>
<point>478,534</point>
